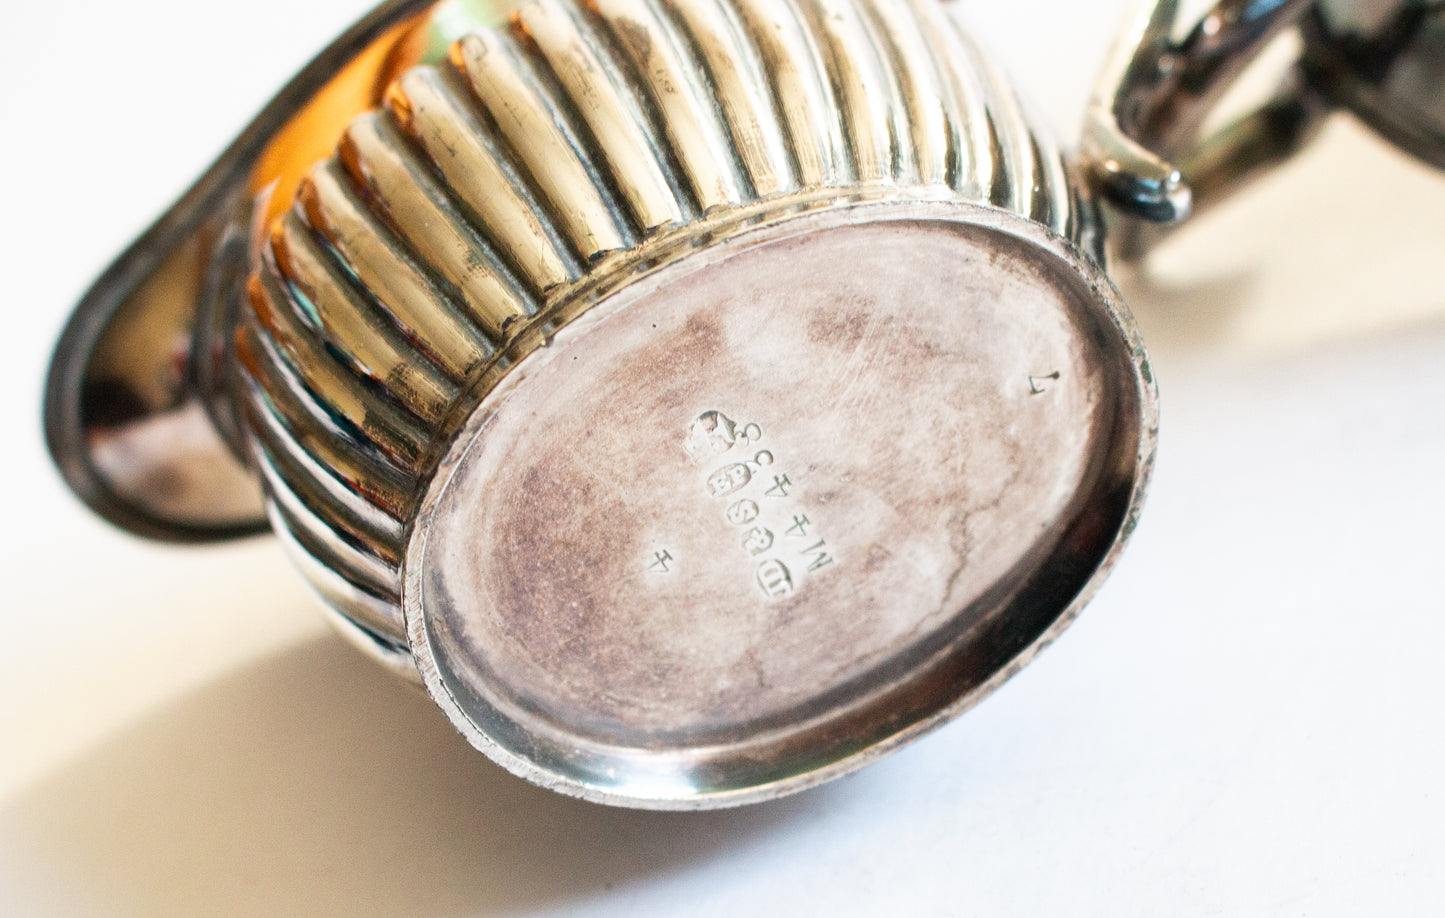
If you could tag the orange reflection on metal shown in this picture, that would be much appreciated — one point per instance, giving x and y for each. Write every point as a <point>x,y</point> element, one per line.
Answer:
<point>311,135</point>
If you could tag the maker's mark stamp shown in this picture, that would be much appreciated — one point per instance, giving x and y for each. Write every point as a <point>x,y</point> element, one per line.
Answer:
<point>759,504</point>
<point>729,479</point>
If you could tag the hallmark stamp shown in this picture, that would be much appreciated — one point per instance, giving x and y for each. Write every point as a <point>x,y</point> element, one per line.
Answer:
<point>729,479</point>
<point>758,540</point>
<point>770,505</point>
<point>743,512</point>
<point>712,434</point>
<point>774,578</point>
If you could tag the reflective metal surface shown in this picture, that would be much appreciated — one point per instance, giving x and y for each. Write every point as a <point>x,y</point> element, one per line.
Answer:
<point>138,413</point>
<point>488,319</point>
<point>1142,139</point>
<point>1385,60</point>
<point>1144,143</point>
<point>488,200</point>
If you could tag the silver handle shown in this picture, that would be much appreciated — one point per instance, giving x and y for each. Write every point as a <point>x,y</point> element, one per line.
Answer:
<point>1142,142</point>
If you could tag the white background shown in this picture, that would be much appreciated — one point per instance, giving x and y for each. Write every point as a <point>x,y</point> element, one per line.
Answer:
<point>1246,722</point>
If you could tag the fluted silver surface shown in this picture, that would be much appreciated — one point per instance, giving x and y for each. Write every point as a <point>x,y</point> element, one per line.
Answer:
<point>494,187</point>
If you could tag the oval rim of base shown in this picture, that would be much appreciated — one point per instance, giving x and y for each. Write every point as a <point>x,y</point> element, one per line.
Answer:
<point>781,223</point>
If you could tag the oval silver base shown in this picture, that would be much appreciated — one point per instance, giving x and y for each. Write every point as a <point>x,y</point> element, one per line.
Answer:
<point>781,505</point>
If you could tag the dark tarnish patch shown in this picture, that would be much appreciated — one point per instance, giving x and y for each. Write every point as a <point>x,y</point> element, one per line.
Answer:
<point>844,326</point>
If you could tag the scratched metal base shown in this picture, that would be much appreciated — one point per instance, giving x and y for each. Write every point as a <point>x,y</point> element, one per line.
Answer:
<point>783,505</point>
<point>701,397</point>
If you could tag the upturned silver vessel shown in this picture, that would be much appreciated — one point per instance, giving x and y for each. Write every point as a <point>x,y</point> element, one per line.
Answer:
<point>700,398</point>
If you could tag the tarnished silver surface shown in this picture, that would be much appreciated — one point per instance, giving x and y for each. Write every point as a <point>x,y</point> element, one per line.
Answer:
<point>782,504</point>
<point>497,196</point>
<point>706,395</point>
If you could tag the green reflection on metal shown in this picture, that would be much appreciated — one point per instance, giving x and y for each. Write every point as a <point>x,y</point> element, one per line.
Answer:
<point>451,19</point>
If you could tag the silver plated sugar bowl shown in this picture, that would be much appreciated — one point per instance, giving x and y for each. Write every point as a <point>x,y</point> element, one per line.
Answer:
<point>699,398</point>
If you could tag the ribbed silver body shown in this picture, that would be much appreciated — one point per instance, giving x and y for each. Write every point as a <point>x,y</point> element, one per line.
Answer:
<point>453,228</point>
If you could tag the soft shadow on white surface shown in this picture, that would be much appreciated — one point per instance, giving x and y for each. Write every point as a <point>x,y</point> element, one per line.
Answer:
<point>1185,317</point>
<point>1344,241</point>
<point>313,783</point>
<point>1240,725</point>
